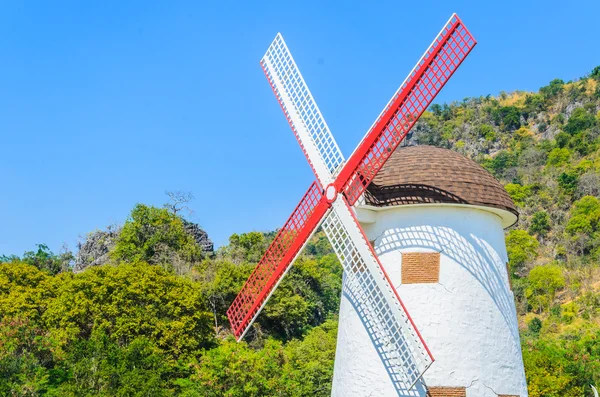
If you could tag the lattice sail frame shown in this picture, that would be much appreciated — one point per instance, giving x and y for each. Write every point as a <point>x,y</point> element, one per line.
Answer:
<point>430,74</point>
<point>395,337</point>
<point>301,111</point>
<point>397,340</point>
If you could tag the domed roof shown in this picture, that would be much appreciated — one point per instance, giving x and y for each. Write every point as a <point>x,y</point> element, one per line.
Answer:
<point>428,175</point>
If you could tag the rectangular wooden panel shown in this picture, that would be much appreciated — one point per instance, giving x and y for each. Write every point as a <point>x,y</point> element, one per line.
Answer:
<point>438,391</point>
<point>420,267</point>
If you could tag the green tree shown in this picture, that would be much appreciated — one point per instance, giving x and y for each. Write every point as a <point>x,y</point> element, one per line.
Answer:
<point>318,245</point>
<point>562,139</point>
<point>247,247</point>
<point>25,291</point>
<point>99,366</point>
<point>308,295</point>
<point>518,193</point>
<point>521,248</point>
<point>568,182</point>
<point>562,365</point>
<point>580,120</point>
<point>535,326</point>
<point>535,103</point>
<point>130,301</point>
<point>498,164</point>
<point>508,116</point>
<point>540,223</point>
<point>156,236</point>
<point>308,370</point>
<point>44,259</point>
<point>544,281</point>
<point>221,280</point>
<point>25,355</point>
<point>487,132</point>
<point>234,370</point>
<point>558,157</point>
<point>585,215</point>
<point>555,87</point>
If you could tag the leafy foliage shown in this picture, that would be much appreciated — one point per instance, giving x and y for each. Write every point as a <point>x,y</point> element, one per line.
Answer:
<point>156,236</point>
<point>151,321</point>
<point>521,248</point>
<point>544,281</point>
<point>540,223</point>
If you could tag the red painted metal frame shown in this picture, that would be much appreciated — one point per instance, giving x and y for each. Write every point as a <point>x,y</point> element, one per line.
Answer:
<point>450,49</point>
<point>277,259</point>
<point>427,79</point>
<point>388,280</point>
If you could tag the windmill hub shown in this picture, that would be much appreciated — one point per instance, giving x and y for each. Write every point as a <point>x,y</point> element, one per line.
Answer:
<point>330,193</point>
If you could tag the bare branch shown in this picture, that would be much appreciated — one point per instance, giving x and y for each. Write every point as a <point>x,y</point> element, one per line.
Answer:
<point>178,201</point>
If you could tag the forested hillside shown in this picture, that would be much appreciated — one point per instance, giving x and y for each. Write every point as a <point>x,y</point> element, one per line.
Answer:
<point>143,314</point>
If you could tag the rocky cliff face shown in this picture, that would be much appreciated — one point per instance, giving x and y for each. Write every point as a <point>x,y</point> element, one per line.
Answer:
<point>200,236</point>
<point>95,249</point>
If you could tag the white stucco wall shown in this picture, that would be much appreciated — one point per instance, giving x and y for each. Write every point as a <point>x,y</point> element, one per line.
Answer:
<point>468,319</point>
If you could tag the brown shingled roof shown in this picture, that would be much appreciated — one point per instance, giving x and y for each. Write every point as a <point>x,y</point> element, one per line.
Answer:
<point>428,174</point>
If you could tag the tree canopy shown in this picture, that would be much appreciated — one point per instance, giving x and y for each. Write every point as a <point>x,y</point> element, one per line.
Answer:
<point>149,317</point>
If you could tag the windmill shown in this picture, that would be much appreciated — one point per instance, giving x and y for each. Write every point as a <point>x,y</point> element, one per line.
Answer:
<point>340,185</point>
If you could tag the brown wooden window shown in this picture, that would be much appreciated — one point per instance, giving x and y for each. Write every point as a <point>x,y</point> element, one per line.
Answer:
<point>439,391</point>
<point>420,267</point>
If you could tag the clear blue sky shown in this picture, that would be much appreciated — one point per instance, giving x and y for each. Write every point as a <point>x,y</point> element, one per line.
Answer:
<point>104,104</point>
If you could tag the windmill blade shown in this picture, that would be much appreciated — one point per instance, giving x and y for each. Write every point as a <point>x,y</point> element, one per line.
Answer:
<point>387,321</point>
<point>427,78</point>
<point>301,111</point>
<point>277,260</point>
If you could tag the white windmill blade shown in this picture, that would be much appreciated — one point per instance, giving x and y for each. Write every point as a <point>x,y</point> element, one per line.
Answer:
<point>396,338</point>
<point>301,111</point>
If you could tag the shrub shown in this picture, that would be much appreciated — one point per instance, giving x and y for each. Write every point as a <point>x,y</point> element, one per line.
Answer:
<point>568,182</point>
<point>558,157</point>
<point>521,248</point>
<point>540,223</point>
<point>580,120</point>
<point>555,87</point>
<point>535,326</point>
<point>518,193</point>
<point>498,164</point>
<point>544,281</point>
<point>585,215</point>
<point>487,131</point>
<point>508,116</point>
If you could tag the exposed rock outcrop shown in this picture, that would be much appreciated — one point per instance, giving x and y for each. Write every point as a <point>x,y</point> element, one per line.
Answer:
<point>95,249</point>
<point>200,236</point>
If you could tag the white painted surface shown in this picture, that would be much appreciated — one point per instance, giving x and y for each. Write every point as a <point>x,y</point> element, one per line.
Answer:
<point>307,121</point>
<point>468,319</point>
<point>373,298</point>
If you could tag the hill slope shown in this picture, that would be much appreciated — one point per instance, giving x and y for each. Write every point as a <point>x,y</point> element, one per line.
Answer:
<point>151,319</point>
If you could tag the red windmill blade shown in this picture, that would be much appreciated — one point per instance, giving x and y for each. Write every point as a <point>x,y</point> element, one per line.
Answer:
<point>277,260</point>
<point>416,93</point>
<point>402,349</point>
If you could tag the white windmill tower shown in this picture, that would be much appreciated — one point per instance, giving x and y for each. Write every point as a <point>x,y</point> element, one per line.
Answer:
<point>380,352</point>
<point>439,233</point>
